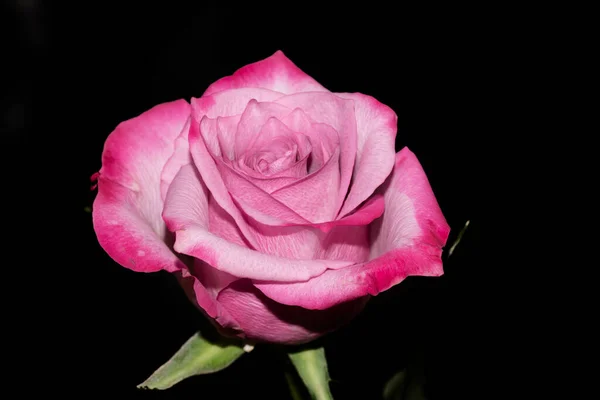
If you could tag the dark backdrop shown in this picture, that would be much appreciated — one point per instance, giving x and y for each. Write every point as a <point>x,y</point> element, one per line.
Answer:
<point>75,72</point>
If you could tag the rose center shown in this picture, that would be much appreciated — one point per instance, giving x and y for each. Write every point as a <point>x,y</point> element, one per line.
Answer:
<point>277,157</point>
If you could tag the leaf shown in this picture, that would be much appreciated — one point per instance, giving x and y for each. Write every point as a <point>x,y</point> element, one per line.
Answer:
<point>394,388</point>
<point>408,384</point>
<point>459,238</point>
<point>312,368</point>
<point>197,356</point>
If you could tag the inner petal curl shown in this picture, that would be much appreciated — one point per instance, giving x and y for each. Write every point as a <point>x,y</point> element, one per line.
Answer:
<point>276,149</point>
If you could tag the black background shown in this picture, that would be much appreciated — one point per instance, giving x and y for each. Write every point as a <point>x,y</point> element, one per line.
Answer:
<point>75,72</point>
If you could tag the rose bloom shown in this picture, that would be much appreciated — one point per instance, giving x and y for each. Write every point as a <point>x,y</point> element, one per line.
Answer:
<point>280,206</point>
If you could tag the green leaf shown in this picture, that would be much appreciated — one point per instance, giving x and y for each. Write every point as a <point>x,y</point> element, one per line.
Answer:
<point>459,238</point>
<point>394,388</point>
<point>408,384</point>
<point>312,368</point>
<point>197,356</point>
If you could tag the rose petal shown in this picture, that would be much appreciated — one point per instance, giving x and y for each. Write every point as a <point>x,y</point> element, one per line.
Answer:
<point>220,138</point>
<point>249,196</point>
<point>272,148</point>
<point>297,242</point>
<point>230,102</point>
<point>230,182</point>
<point>364,215</point>
<point>276,73</point>
<point>213,181</point>
<point>227,130</point>
<point>211,278</point>
<point>407,240</point>
<point>181,156</point>
<point>222,224</point>
<point>375,150</point>
<point>346,243</point>
<point>264,320</point>
<point>314,197</point>
<point>186,213</point>
<point>126,211</point>
<point>242,262</point>
<point>238,186</point>
<point>205,300</point>
<point>280,147</point>
<point>337,113</point>
<point>270,184</point>
<point>309,242</point>
<point>126,234</point>
<point>227,107</point>
<point>255,116</point>
<point>412,212</point>
<point>324,138</point>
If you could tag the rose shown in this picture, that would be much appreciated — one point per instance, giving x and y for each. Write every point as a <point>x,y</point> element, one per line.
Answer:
<point>281,207</point>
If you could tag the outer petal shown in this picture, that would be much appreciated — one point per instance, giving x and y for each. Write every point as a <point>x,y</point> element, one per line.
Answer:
<point>264,320</point>
<point>201,292</point>
<point>186,214</point>
<point>346,243</point>
<point>126,211</point>
<point>376,126</point>
<point>243,262</point>
<point>296,242</point>
<point>276,73</point>
<point>126,234</point>
<point>407,240</point>
<point>412,214</point>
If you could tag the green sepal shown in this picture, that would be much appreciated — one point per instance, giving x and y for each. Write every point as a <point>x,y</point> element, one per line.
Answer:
<point>198,356</point>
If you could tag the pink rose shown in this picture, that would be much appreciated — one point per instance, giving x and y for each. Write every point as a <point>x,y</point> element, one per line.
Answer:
<point>282,207</point>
